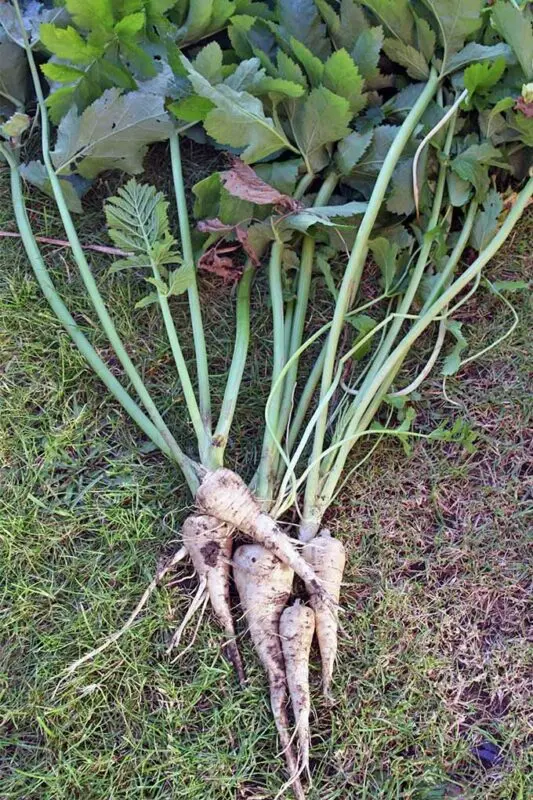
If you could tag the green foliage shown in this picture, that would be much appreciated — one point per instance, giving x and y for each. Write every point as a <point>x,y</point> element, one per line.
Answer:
<point>516,28</point>
<point>456,21</point>
<point>342,76</point>
<point>137,222</point>
<point>486,221</point>
<point>452,362</point>
<point>407,56</point>
<point>480,78</point>
<point>323,118</point>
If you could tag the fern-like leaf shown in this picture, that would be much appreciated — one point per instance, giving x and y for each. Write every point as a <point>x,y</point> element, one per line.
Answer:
<point>137,220</point>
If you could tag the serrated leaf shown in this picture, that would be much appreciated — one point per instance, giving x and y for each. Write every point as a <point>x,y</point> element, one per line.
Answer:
<point>312,65</point>
<point>323,215</point>
<point>68,44</point>
<point>406,55</point>
<point>486,221</point>
<point>129,26</point>
<point>472,165</point>
<point>280,174</point>
<point>208,62</point>
<point>332,20</point>
<point>35,173</point>
<point>479,78</point>
<point>474,52</point>
<point>452,362</point>
<point>238,119</point>
<point>426,38</point>
<point>366,51</point>
<point>113,133</point>
<point>300,18</point>
<point>91,14</point>
<point>15,126</point>
<point>456,20</point>
<point>323,118</point>
<point>401,199</point>
<point>180,280</point>
<point>59,102</point>
<point>342,77</point>
<point>396,16</point>
<point>351,149</point>
<point>277,86</point>
<point>290,70</point>
<point>148,300</point>
<point>61,73</point>
<point>385,255</point>
<point>517,30</point>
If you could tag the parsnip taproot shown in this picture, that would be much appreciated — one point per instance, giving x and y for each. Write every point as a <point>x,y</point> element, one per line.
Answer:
<point>264,586</point>
<point>327,557</point>
<point>224,495</point>
<point>296,629</point>
<point>209,543</point>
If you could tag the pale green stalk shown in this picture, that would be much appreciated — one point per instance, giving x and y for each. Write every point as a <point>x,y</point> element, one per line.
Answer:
<point>238,361</point>
<point>77,250</point>
<point>368,402</point>
<point>202,366</point>
<point>354,271</point>
<point>160,435</point>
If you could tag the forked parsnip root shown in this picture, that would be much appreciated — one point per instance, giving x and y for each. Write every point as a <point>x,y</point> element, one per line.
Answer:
<point>209,543</point>
<point>327,557</point>
<point>264,586</point>
<point>224,495</point>
<point>296,629</point>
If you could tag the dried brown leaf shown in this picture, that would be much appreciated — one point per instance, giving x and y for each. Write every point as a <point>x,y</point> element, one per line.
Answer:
<point>241,181</point>
<point>218,261</point>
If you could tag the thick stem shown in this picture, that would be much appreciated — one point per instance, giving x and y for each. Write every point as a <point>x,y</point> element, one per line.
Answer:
<point>194,300</point>
<point>238,361</point>
<point>77,250</point>
<point>160,435</point>
<point>353,274</point>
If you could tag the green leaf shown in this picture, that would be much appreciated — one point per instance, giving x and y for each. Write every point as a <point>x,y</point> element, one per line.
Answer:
<point>509,286</point>
<point>426,38</point>
<point>396,16</point>
<point>290,70</point>
<point>323,215</point>
<point>112,133</point>
<point>238,119</point>
<point>323,118</point>
<point>325,268</point>
<point>61,73</point>
<point>406,55</point>
<point>191,109</point>
<point>278,86</point>
<point>353,22</point>
<point>401,199</point>
<point>59,102</point>
<point>351,149</point>
<point>129,26</point>
<point>517,29</point>
<point>364,325</point>
<point>197,21</point>
<point>480,78</point>
<point>486,221</point>
<point>474,52</point>
<point>282,175</point>
<point>524,126</point>
<point>91,15</point>
<point>148,300</point>
<point>342,77</point>
<point>35,173</point>
<point>472,165</point>
<point>180,280</point>
<point>459,190</point>
<point>68,44</point>
<point>332,20</point>
<point>207,197</point>
<point>301,20</point>
<point>312,65</point>
<point>456,21</point>
<point>366,51</point>
<point>208,62</point>
<point>385,255</point>
<point>452,362</point>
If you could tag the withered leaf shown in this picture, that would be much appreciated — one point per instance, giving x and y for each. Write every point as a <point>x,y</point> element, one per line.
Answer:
<point>241,181</point>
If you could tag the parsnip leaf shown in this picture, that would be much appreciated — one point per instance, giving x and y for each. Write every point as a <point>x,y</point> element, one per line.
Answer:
<point>474,52</point>
<point>455,20</point>
<point>407,56</point>
<point>300,18</point>
<point>396,16</point>
<point>351,149</point>
<point>323,118</point>
<point>452,362</point>
<point>342,76</point>
<point>113,133</point>
<point>486,221</point>
<point>366,51</point>
<point>516,27</point>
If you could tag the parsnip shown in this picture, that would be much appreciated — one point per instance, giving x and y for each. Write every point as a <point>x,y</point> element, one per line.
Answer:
<point>327,557</point>
<point>264,586</point>
<point>296,629</point>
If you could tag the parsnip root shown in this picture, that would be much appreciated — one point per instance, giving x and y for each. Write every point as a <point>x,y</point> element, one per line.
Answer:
<point>328,558</point>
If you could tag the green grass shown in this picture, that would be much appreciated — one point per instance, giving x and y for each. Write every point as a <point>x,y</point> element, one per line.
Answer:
<point>434,657</point>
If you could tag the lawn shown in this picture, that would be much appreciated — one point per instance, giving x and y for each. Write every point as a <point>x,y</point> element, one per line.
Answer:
<point>432,680</point>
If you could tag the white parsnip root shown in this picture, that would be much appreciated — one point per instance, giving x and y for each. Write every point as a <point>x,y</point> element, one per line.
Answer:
<point>223,494</point>
<point>264,586</point>
<point>209,543</point>
<point>328,558</point>
<point>296,629</point>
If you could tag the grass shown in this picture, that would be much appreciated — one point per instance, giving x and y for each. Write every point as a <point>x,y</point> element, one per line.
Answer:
<point>432,683</point>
